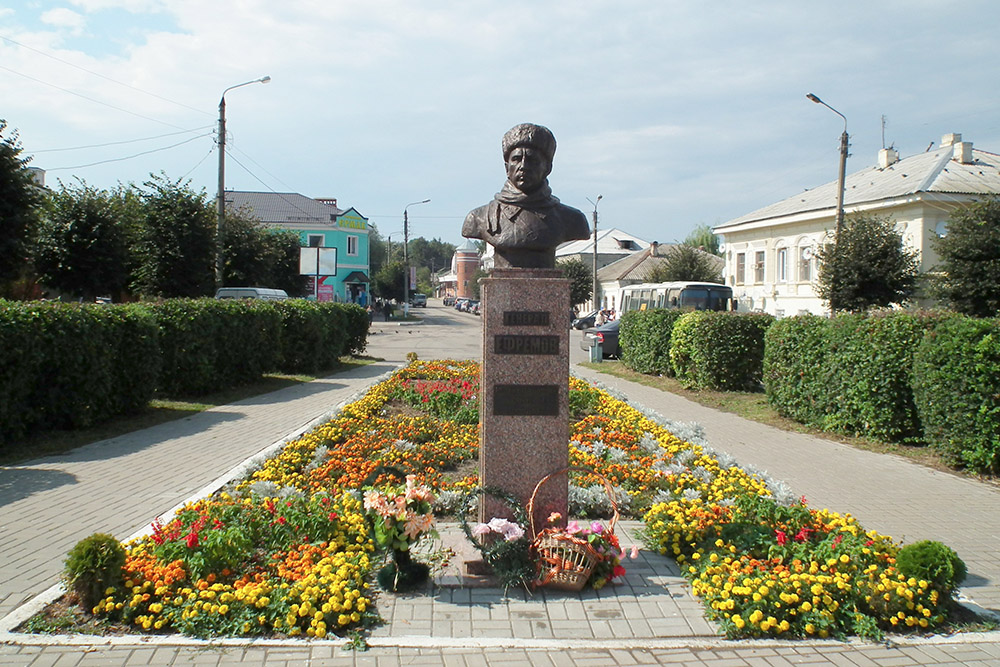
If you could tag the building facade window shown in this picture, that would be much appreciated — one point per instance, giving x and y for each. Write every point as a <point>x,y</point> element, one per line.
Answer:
<point>805,265</point>
<point>352,246</point>
<point>741,267</point>
<point>758,267</point>
<point>315,240</point>
<point>782,266</point>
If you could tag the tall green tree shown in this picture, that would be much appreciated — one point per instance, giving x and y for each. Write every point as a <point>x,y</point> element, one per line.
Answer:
<point>581,279</point>
<point>176,246</point>
<point>685,262</point>
<point>434,254</point>
<point>82,247</point>
<point>867,266</point>
<point>969,274</point>
<point>282,250</point>
<point>388,282</point>
<point>704,238</point>
<point>19,201</point>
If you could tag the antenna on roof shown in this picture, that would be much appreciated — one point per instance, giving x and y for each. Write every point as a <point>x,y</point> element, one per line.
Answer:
<point>929,146</point>
<point>884,121</point>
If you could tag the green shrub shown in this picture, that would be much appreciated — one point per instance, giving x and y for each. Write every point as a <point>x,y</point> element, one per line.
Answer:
<point>956,387</point>
<point>94,565</point>
<point>934,562</point>
<point>645,340</point>
<point>870,365</point>
<point>719,350</point>
<point>795,368</point>
<point>357,328</point>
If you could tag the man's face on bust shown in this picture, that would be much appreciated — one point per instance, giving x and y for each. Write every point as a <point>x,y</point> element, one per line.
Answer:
<point>527,168</point>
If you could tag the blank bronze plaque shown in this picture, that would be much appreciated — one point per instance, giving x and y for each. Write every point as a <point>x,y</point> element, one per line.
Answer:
<point>541,400</point>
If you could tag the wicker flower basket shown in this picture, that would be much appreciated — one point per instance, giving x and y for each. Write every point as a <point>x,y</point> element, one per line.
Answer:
<point>566,561</point>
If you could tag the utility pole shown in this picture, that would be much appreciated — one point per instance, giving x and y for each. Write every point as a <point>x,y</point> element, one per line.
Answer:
<point>595,203</point>
<point>841,181</point>
<point>406,257</point>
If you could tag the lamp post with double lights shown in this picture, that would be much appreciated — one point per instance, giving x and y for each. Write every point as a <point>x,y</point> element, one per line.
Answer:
<point>406,256</point>
<point>841,183</point>
<point>221,203</point>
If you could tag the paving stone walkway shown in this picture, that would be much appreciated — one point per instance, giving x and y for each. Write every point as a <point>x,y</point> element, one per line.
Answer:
<point>118,486</point>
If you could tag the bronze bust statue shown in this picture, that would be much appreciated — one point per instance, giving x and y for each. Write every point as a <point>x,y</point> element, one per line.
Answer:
<point>524,223</point>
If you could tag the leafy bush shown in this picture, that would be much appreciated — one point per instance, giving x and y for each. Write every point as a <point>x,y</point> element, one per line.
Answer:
<point>93,566</point>
<point>956,387</point>
<point>719,350</point>
<point>356,328</point>
<point>869,367</point>
<point>934,562</point>
<point>795,368</point>
<point>71,365</point>
<point>645,340</point>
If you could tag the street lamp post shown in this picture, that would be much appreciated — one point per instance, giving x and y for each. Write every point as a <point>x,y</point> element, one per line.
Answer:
<point>221,202</point>
<point>406,256</point>
<point>595,203</point>
<point>841,183</point>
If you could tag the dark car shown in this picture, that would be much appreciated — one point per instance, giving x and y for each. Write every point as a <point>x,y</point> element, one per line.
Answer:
<point>585,321</point>
<point>606,335</point>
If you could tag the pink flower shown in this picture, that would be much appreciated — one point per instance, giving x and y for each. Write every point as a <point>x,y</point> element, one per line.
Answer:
<point>481,529</point>
<point>635,552</point>
<point>596,527</point>
<point>573,528</point>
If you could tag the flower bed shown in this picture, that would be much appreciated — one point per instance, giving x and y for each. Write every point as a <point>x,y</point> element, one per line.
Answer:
<point>288,550</point>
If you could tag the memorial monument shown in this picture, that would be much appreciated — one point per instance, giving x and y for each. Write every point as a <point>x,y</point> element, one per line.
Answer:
<point>524,400</point>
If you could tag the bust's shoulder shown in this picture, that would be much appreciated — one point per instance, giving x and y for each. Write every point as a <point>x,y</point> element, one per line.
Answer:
<point>475,222</point>
<point>574,222</point>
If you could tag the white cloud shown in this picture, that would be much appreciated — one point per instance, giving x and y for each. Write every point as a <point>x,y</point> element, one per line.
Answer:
<point>65,19</point>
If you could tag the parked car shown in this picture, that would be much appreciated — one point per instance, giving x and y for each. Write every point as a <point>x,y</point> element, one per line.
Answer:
<point>460,302</point>
<point>250,293</point>
<point>448,301</point>
<point>474,307</point>
<point>585,321</point>
<point>606,335</point>
<point>418,300</point>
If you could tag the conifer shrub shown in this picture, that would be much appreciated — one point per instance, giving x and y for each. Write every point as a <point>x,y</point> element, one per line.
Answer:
<point>956,388</point>
<point>934,562</point>
<point>719,350</point>
<point>795,368</point>
<point>93,566</point>
<point>645,340</point>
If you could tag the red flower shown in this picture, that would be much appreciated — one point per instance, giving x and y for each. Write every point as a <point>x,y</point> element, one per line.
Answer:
<point>192,539</point>
<point>781,537</point>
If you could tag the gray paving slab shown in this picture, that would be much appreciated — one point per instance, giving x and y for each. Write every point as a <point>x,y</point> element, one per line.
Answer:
<point>119,485</point>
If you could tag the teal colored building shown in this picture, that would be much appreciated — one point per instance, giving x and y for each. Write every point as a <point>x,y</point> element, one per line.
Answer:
<point>342,236</point>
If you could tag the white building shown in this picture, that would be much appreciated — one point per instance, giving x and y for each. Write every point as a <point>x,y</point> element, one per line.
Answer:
<point>770,253</point>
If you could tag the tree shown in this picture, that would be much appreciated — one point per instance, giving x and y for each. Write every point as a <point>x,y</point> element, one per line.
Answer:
<point>704,238</point>
<point>281,247</point>
<point>581,285</point>
<point>969,273</point>
<point>434,254</point>
<point>867,266</point>
<point>475,289</point>
<point>388,282</point>
<point>19,200</point>
<point>176,246</point>
<point>685,262</point>
<point>82,245</point>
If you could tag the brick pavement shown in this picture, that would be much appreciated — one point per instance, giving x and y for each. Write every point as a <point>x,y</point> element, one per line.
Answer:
<point>119,485</point>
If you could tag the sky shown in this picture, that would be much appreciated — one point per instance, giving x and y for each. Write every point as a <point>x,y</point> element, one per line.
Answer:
<point>676,113</point>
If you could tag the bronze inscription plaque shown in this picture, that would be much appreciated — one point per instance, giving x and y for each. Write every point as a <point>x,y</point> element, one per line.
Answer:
<point>514,344</point>
<point>526,318</point>
<point>536,400</point>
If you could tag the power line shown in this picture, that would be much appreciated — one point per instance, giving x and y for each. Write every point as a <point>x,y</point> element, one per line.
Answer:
<point>119,143</point>
<point>129,157</point>
<point>210,151</point>
<point>106,78</point>
<point>90,99</point>
<point>286,185</point>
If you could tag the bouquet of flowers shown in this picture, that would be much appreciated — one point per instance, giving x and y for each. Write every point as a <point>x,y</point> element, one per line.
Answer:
<point>608,566</point>
<point>401,515</point>
<point>505,545</point>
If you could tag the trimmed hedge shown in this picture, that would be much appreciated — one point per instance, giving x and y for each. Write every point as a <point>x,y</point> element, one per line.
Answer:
<point>71,365</point>
<point>719,350</point>
<point>645,340</point>
<point>869,366</point>
<point>956,387</point>
<point>795,368</point>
